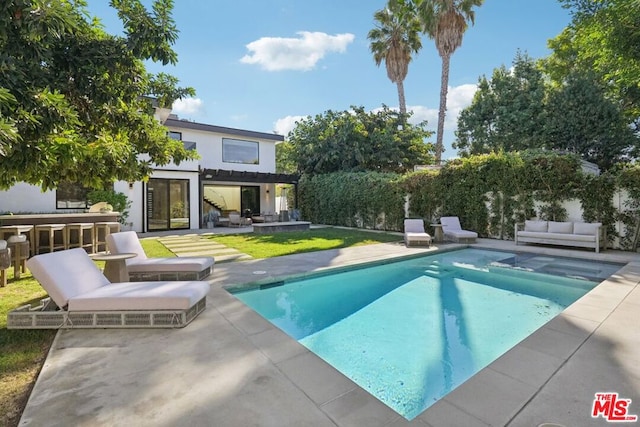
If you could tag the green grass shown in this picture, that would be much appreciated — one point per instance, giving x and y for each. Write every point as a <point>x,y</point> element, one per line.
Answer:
<point>293,242</point>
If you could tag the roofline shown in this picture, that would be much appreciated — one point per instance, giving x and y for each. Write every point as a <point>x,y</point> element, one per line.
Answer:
<point>184,124</point>
<point>254,177</point>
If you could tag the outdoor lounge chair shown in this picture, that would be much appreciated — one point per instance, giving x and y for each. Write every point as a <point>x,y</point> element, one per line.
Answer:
<point>143,268</point>
<point>414,233</point>
<point>80,296</point>
<point>454,232</point>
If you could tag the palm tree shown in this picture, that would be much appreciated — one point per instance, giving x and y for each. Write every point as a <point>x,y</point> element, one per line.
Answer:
<point>395,38</point>
<point>445,21</point>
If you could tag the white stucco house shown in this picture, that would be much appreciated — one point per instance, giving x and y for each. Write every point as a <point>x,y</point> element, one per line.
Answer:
<point>236,172</point>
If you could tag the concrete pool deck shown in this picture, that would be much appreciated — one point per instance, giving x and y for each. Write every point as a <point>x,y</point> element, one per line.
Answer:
<point>231,367</point>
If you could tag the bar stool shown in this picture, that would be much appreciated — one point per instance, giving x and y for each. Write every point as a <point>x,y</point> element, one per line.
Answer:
<point>81,228</point>
<point>106,227</point>
<point>51,229</point>
<point>5,262</point>
<point>19,246</point>
<point>17,230</point>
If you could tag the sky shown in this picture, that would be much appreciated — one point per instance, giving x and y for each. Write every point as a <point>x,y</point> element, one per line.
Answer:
<point>261,65</point>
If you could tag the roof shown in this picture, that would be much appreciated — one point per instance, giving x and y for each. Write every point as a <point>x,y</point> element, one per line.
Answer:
<point>257,177</point>
<point>185,124</point>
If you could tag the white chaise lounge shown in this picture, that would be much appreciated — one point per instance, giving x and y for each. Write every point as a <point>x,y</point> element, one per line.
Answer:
<point>453,231</point>
<point>82,297</point>
<point>414,233</point>
<point>143,268</point>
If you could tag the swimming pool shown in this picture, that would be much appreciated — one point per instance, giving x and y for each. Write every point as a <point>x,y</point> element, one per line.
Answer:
<point>411,331</point>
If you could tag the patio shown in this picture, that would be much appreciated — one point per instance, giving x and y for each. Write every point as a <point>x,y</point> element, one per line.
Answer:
<point>230,367</point>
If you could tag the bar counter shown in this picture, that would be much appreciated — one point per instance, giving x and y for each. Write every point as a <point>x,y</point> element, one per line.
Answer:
<point>55,218</point>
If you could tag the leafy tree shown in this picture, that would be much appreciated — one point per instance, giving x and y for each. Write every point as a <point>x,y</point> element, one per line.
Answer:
<point>507,111</point>
<point>445,21</point>
<point>603,38</point>
<point>72,105</point>
<point>583,121</point>
<point>394,39</point>
<point>355,141</point>
<point>284,158</point>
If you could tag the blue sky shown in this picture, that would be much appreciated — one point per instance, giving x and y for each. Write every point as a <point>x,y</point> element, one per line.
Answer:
<point>262,64</point>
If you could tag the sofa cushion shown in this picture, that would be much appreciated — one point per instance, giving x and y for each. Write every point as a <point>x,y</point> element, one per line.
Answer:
<point>564,237</point>
<point>588,228</point>
<point>560,227</point>
<point>535,225</point>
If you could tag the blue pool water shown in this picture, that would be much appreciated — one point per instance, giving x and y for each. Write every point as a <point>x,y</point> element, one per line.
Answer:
<point>411,331</point>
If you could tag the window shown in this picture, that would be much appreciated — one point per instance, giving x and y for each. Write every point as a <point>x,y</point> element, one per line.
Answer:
<point>70,195</point>
<point>239,151</point>
<point>175,135</point>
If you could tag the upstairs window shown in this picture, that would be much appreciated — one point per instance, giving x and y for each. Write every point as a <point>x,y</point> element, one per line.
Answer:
<point>239,151</point>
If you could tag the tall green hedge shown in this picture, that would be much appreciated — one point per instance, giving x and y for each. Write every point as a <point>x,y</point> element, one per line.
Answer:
<point>490,193</point>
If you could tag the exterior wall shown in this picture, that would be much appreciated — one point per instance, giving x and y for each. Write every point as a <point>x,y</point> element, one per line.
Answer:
<point>209,147</point>
<point>26,198</point>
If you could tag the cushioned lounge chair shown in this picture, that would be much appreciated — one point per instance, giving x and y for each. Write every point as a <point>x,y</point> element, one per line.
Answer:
<point>453,231</point>
<point>80,296</point>
<point>414,233</point>
<point>143,268</point>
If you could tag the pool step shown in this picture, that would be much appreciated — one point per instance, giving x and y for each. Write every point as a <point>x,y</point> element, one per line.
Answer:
<point>437,270</point>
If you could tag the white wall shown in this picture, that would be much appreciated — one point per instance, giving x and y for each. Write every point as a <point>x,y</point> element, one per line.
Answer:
<point>26,198</point>
<point>209,147</point>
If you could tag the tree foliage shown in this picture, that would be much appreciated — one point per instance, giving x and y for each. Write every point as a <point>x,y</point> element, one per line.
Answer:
<point>507,111</point>
<point>357,141</point>
<point>72,105</point>
<point>517,110</point>
<point>603,38</point>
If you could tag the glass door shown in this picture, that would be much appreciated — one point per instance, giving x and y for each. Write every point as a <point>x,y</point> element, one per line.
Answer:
<point>167,204</point>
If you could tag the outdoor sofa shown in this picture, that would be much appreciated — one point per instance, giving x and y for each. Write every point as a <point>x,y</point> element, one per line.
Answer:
<point>80,296</point>
<point>142,268</point>
<point>566,233</point>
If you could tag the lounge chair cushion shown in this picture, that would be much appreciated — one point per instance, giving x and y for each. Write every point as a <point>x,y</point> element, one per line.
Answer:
<point>179,264</point>
<point>141,296</point>
<point>414,232</point>
<point>66,274</point>
<point>451,228</point>
<point>127,241</point>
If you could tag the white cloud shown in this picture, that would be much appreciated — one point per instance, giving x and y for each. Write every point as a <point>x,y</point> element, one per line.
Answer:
<point>286,124</point>
<point>188,106</point>
<point>303,53</point>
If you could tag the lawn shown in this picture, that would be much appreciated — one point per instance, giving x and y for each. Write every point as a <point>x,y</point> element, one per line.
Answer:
<point>294,242</point>
<point>22,352</point>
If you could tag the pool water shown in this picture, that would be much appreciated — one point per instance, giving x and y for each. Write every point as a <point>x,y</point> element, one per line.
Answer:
<point>411,331</point>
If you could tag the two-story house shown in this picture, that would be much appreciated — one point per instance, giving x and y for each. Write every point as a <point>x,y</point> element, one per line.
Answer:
<point>235,172</point>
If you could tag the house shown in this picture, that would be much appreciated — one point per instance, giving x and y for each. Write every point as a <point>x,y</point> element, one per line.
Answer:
<point>236,172</point>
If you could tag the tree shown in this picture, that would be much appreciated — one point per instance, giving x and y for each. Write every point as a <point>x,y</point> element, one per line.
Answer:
<point>445,21</point>
<point>72,97</point>
<point>507,112</point>
<point>355,141</point>
<point>582,120</point>
<point>603,38</point>
<point>394,39</point>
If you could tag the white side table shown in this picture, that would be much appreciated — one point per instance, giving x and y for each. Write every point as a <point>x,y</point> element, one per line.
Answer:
<point>115,267</point>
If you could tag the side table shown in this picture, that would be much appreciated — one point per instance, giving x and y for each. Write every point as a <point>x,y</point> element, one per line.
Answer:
<point>438,235</point>
<point>115,266</point>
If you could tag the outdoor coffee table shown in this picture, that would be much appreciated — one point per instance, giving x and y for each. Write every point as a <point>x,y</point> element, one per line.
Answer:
<point>115,267</point>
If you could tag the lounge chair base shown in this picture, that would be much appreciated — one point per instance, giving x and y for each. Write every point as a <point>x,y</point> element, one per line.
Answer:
<point>169,275</point>
<point>47,316</point>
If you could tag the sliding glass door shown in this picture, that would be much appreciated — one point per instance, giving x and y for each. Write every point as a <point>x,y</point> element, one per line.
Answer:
<point>167,204</point>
